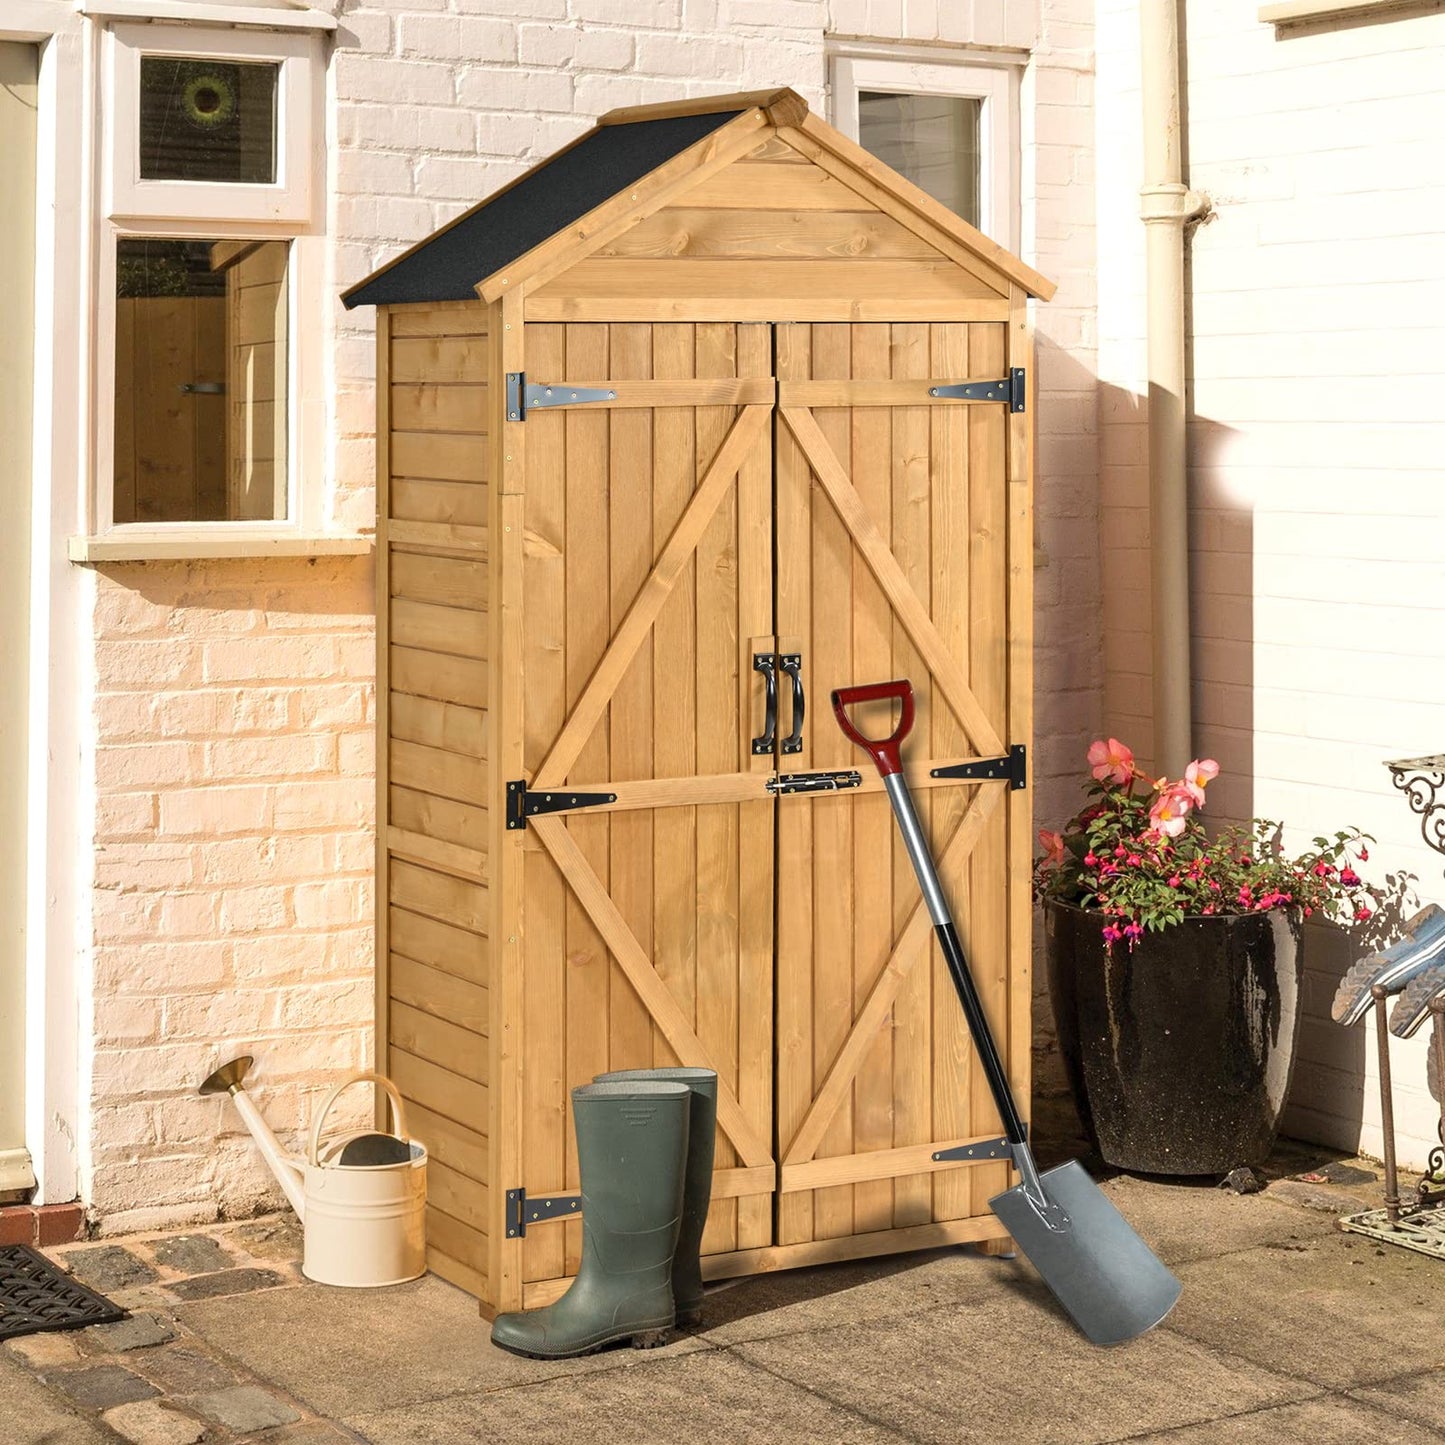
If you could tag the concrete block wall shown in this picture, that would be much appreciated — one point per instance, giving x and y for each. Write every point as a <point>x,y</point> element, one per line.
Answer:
<point>1318,560</point>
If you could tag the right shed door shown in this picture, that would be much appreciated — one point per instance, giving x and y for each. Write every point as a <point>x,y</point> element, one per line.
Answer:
<point>892,517</point>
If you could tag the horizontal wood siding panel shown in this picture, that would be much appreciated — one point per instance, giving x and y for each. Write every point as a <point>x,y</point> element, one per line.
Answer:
<point>438,724</point>
<point>439,945</point>
<point>438,358</point>
<point>444,819</point>
<point>451,318</point>
<point>438,455</point>
<point>431,991</point>
<point>438,1089</point>
<point>438,675</point>
<point>768,235</point>
<point>453,630</point>
<point>468,1151</point>
<point>433,406</point>
<point>439,895</point>
<point>456,1195</point>
<point>447,774</point>
<point>460,1050</point>
<point>773,186</point>
<point>418,500</point>
<point>442,581</point>
<point>456,1251</point>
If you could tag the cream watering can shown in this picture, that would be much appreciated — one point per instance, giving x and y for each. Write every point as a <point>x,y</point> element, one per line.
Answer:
<point>361,1198</point>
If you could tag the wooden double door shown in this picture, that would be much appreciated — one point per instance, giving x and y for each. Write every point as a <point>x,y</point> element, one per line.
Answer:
<point>743,511</point>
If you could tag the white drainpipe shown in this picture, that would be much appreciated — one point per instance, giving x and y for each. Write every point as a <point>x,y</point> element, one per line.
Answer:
<point>1167,205</point>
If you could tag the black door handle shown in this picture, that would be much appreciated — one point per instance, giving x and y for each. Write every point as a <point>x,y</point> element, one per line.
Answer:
<point>792,664</point>
<point>763,663</point>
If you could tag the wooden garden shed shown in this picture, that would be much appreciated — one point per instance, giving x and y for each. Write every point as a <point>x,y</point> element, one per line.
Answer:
<point>706,415</point>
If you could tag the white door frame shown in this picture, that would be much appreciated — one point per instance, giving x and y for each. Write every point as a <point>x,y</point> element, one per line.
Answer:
<point>58,791</point>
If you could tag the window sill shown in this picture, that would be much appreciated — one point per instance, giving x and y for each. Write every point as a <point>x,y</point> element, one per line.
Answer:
<point>143,547</point>
<point>283,16</point>
<point>1301,12</point>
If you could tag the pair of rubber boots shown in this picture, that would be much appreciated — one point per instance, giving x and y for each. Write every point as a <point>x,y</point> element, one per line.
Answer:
<point>645,1152</point>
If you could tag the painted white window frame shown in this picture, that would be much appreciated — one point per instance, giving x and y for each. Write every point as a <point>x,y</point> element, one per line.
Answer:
<point>914,70</point>
<point>289,211</point>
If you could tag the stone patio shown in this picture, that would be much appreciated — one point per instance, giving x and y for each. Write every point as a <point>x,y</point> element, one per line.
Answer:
<point>1287,1330</point>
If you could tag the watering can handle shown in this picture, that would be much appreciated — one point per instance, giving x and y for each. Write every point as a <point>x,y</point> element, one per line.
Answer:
<point>397,1115</point>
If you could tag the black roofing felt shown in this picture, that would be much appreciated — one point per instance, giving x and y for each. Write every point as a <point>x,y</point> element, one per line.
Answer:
<point>559,192</point>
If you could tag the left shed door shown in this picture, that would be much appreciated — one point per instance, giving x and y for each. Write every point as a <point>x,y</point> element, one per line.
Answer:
<point>648,922</point>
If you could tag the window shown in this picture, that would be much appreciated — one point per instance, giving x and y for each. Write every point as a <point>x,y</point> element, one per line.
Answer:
<point>210,269</point>
<point>949,128</point>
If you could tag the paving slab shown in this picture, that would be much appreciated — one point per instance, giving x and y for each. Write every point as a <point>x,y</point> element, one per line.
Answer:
<point>108,1267</point>
<point>1015,1369</point>
<point>1417,1398</point>
<point>191,1254</point>
<point>228,1281</point>
<point>148,1422</point>
<point>1330,1420</point>
<point>698,1399</point>
<point>31,1413</point>
<point>182,1371</point>
<point>377,1350</point>
<point>246,1408</point>
<point>1339,1311</point>
<point>47,1350</point>
<point>101,1386</point>
<point>137,1333</point>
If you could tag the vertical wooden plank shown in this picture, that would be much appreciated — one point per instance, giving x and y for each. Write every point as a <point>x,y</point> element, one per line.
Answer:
<point>1020,615</point>
<point>674,693</point>
<point>212,421</point>
<point>987,935</point>
<point>793,964</point>
<point>589,965</point>
<point>545,682</point>
<point>951,573</point>
<point>829,661</point>
<point>756,893</point>
<point>506,580</point>
<point>124,466</point>
<point>717,752</point>
<point>631,716</point>
<point>383,696</point>
<point>872,817</point>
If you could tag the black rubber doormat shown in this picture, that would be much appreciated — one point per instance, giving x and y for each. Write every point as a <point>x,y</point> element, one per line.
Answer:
<point>35,1296</point>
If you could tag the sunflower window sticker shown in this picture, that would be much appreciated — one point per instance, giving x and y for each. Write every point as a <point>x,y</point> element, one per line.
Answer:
<point>204,120</point>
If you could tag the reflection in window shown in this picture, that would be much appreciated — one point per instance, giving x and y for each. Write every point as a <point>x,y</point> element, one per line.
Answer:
<point>207,120</point>
<point>200,381</point>
<point>931,139</point>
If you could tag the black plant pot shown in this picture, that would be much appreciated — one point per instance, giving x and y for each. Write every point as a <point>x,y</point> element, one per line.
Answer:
<point>1179,1053</point>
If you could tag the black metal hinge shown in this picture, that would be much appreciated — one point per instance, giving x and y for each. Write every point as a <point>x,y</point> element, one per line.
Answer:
<point>522,1211</point>
<point>524,396</point>
<point>973,1153</point>
<point>1013,766</point>
<point>814,782</point>
<point>523,804</point>
<point>1010,389</point>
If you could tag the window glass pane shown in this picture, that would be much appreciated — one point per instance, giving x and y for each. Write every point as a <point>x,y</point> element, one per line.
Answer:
<point>931,139</point>
<point>207,120</point>
<point>200,380</point>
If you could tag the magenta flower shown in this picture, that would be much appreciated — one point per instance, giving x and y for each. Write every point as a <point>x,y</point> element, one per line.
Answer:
<point>1349,877</point>
<point>1111,761</point>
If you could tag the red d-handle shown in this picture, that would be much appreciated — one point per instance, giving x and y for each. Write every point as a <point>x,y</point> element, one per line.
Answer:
<point>883,751</point>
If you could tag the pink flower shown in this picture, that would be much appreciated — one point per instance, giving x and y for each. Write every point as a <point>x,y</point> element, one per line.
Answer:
<point>1133,860</point>
<point>1196,775</point>
<point>1133,931</point>
<point>1364,855</point>
<point>1052,844</point>
<point>1091,860</point>
<point>1170,810</point>
<point>1111,933</point>
<point>1111,761</point>
<point>1349,877</point>
<point>1174,881</point>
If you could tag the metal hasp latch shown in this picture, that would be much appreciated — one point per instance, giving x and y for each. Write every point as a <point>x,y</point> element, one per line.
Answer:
<point>524,396</point>
<point>999,1148</point>
<point>522,1211</point>
<point>833,782</point>
<point>523,804</point>
<point>1014,766</point>
<point>1010,389</point>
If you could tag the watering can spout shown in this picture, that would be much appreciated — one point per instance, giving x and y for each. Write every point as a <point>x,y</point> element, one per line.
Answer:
<point>229,1078</point>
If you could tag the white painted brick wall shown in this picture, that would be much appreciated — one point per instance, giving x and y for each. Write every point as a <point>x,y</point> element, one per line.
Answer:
<point>1318,317</point>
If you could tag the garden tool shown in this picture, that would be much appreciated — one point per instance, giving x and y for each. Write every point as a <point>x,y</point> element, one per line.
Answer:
<point>1102,1273</point>
<point>687,1289</point>
<point>1420,947</point>
<point>632,1156</point>
<point>361,1198</point>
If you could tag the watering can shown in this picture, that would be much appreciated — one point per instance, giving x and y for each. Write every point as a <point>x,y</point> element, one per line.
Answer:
<point>361,1198</point>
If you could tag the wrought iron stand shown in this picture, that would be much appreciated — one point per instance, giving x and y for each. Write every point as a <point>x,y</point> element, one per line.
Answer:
<point>1421,1225</point>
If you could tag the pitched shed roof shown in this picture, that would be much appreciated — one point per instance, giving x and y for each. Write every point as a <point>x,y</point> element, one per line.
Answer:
<point>547,199</point>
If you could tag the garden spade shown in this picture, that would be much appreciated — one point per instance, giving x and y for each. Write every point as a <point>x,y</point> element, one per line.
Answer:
<point>1103,1274</point>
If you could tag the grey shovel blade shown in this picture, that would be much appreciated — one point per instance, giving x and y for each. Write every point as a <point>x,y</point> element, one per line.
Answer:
<point>1103,1274</point>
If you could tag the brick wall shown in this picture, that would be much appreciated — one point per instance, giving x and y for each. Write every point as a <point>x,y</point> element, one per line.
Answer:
<point>1318,316</point>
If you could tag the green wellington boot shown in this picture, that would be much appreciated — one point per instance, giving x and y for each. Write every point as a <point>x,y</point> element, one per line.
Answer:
<point>701,1137</point>
<point>632,1155</point>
